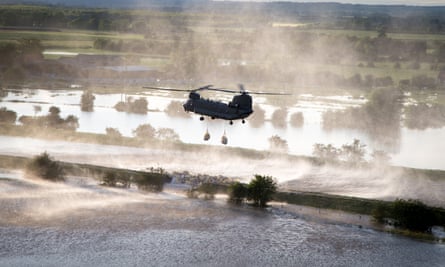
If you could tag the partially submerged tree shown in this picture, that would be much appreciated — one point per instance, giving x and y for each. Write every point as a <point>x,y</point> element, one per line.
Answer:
<point>7,116</point>
<point>87,101</point>
<point>278,144</point>
<point>258,116</point>
<point>297,119</point>
<point>279,118</point>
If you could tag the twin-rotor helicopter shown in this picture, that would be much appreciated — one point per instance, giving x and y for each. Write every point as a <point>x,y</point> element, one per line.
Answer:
<point>238,109</point>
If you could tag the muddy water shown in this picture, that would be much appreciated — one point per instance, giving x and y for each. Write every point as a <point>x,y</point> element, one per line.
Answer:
<point>82,224</point>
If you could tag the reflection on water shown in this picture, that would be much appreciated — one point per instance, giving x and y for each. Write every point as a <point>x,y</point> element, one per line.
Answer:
<point>419,149</point>
<point>167,229</point>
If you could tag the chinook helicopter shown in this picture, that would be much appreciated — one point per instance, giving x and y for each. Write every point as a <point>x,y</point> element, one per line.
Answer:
<point>238,109</point>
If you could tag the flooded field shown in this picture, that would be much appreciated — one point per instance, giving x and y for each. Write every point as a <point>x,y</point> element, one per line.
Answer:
<point>416,148</point>
<point>80,223</point>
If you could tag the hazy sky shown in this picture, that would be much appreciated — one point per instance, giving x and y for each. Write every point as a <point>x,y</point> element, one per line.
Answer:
<point>367,2</point>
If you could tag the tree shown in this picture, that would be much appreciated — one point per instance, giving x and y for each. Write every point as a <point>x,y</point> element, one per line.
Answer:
<point>175,109</point>
<point>167,134</point>
<point>326,152</point>
<point>144,131</point>
<point>279,118</point>
<point>354,153</point>
<point>278,144</point>
<point>7,116</point>
<point>87,101</point>
<point>257,118</point>
<point>261,189</point>
<point>297,120</point>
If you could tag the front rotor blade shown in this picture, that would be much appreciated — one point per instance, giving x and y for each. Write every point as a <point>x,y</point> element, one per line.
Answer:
<point>223,90</point>
<point>167,89</point>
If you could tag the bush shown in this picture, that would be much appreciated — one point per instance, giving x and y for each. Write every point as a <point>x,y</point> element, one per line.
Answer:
<point>44,167</point>
<point>413,215</point>
<point>113,179</point>
<point>153,182</point>
<point>238,192</point>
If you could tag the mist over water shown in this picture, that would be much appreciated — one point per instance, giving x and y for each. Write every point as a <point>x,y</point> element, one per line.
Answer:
<point>80,223</point>
<point>301,175</point>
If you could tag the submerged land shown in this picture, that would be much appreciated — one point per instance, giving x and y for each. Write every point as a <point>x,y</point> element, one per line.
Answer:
<point>378,54</point>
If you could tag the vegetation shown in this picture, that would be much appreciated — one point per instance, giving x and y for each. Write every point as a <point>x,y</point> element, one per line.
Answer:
<point>7,116</point>
<point>380,116</point>
<point>423,116</point>
<point>353,153</point>
<point>238,192</point>
<point>261,190</point>
<point>175,109</point>
<point>297,120</point>
<point>278,144</point>
<point>43,166</point>
<point>87,101</point>
<point>52,120</point>
<point>145,132</point>
<point>167,134</point>
<point>258,117</point>
<point>279,117</point>
<point>409,214</point>
<point>114,179</point>
<point>113,133</point>
<point>153,182</point>
<point>139,106</point>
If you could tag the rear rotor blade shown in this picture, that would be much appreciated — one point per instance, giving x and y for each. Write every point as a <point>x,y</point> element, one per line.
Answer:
<point>265,93</point>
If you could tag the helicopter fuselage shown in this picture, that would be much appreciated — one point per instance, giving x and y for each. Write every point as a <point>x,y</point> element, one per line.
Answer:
<point>239,108</point>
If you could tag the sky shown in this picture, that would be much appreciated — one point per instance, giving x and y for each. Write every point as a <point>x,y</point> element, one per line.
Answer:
<point>367,2</point>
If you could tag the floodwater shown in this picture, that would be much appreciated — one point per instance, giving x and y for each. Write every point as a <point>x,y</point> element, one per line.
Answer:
<point>81,224</point>
<point>416,148</point>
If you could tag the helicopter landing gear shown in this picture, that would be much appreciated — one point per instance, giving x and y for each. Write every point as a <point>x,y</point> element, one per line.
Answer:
<point>243,121</point>
<point>231,122</point>
<point>201,118</point>
<point>224,138</point>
